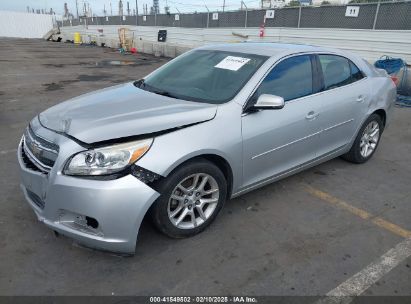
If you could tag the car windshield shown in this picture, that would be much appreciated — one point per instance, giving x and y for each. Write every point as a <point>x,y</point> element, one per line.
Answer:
<point>203,76</point>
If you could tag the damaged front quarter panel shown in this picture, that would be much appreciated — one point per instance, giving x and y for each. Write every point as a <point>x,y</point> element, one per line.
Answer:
<point>144,175</point>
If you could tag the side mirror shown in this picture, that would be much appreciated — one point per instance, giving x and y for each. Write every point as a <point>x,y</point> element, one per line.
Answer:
<point>269,102</point>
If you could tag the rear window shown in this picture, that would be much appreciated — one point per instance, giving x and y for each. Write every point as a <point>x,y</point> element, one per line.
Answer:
<point>338,71</point>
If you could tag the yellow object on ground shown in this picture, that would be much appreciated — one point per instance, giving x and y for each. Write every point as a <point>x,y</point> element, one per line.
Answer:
<point>77,38</point>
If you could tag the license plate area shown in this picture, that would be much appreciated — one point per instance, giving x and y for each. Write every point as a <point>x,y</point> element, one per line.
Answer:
<point>35,184</point>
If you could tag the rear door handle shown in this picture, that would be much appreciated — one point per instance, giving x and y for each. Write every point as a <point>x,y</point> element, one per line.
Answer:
<point>360,98</point>
<point>311,115</point>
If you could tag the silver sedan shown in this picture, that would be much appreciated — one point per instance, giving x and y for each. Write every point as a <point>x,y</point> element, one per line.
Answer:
<point>208,126</point>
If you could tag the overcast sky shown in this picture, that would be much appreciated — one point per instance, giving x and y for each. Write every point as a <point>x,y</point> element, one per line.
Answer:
<point>98,5</point>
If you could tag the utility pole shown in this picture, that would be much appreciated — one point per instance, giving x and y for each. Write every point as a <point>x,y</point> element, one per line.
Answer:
<point>77,8</point>
<point>208,14</point>
<point>376,14</point>
<point>136,13</point>
<point>223,5</point>
<point>246,12</point>
<point>120,8</point>
<point>157,6</point>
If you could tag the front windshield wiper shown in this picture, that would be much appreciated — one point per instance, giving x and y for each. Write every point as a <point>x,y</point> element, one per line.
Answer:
<point>164,93</point>
<point>139,83</point>
<point>142,85</point>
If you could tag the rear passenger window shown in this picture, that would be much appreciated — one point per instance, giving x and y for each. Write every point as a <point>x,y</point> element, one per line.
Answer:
<point>356,74</point>
<point>290,79</point>
<point>338,71</point>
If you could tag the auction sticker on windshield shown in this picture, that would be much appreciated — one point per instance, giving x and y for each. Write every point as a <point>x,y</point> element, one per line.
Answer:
<point>232,63</point>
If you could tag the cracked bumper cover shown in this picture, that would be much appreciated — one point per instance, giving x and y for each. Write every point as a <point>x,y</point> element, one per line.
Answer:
<point>118,205</point>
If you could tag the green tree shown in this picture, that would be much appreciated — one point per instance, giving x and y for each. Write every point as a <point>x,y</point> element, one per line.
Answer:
<point>294,3</point>
<point>325,3</point>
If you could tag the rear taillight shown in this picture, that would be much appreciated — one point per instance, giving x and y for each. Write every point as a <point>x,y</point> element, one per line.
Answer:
<point>394,79</point>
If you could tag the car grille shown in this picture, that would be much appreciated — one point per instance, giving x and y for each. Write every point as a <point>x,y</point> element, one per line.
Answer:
<point>38,154</point>
<point>35,199</point>
<point>27,162</point>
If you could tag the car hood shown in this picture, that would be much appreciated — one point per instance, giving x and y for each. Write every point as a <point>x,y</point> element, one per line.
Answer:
<point>122,111</point>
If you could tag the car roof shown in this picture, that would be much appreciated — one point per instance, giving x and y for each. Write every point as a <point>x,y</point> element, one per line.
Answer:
<point>269,48</point>
<point>279,50</point>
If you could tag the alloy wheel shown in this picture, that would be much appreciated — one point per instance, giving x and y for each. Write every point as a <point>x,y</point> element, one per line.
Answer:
<point>369,139</point>
<point>193,201</point>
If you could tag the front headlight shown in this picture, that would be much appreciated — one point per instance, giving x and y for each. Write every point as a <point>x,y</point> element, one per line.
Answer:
<point>107,160</point>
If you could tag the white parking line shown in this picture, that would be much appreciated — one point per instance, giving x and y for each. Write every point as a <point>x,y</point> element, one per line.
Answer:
<point>7,151</point>
<point>364,279</point>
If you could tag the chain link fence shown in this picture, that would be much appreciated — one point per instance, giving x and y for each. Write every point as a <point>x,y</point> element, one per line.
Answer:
<point>381,16</point>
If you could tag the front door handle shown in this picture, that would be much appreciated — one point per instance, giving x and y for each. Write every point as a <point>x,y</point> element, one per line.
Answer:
<point>311,115</point>
<point>360,98</point>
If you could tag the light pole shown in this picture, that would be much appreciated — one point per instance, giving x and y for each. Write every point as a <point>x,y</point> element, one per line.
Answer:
<point>77,8</point>
<point>246,12</point>
<point>136,13</point>
<point>208,14</point>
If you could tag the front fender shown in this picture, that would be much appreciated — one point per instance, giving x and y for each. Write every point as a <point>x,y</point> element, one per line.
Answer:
<point>220,136</point>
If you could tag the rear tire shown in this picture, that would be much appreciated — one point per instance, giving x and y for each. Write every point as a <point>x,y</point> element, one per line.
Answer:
<point>367,140</point>
<point>191,197</point>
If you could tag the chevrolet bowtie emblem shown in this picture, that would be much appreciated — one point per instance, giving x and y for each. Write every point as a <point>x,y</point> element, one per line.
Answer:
<point>35,148</point>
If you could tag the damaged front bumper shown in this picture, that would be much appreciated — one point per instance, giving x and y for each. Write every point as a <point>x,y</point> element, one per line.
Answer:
<point>103,214</point>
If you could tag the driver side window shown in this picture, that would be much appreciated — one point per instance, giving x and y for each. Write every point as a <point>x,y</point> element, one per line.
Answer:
<point>291,78</point>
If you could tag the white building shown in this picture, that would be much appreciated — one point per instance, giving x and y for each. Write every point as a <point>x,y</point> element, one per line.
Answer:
<point>274,3</point>
<point>332,2</point>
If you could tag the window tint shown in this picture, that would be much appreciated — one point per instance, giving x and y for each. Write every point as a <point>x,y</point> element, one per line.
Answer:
<point>290,79</point>
<point>338,71</point>
<point>356,74</point>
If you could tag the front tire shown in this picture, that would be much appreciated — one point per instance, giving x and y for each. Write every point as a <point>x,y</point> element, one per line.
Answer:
<point>367,140</point>
<point>191,197</point>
